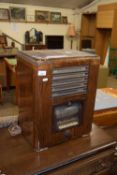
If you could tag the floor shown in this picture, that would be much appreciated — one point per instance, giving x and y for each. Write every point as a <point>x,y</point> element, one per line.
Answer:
<point>9,110</point>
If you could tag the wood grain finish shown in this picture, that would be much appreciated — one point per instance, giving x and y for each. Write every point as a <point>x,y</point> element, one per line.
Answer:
<point>18,157</point>
<point>35,46</point>
<point>106,29</point>
<point>105,19</point>
<point>107,7</point>
<point>88,29</point>
<point>37,104</point>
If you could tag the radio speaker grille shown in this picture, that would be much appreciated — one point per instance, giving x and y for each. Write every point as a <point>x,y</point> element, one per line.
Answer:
<point>70,80</point>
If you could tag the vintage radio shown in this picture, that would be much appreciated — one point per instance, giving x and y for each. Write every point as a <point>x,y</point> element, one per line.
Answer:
<point>56,95</point>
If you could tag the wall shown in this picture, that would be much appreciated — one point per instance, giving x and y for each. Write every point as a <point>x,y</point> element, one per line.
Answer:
<point>17,30</point>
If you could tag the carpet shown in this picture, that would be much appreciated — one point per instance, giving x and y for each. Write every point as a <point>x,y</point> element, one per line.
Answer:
<point>8,114</point>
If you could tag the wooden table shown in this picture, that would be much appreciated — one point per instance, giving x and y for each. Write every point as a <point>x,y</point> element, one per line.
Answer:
<point>78,156</point>
<point>107,117</point>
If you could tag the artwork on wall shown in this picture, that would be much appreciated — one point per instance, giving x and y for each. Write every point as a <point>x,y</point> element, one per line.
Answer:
<point>64,20</point>
<point>4,14</point>
<point>41,16</point>
<point>55,17</point>
<point>17,14</point>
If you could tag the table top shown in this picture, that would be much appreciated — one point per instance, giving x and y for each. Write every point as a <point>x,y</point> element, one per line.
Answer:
<point>106,113</point>
<point>106,99</point>
<point>17,156</point>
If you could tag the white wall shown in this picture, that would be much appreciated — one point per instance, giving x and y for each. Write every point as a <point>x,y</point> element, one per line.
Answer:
<point>17,30</point>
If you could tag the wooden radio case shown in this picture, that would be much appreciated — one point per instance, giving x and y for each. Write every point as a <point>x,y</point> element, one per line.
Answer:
<point>56,94</point>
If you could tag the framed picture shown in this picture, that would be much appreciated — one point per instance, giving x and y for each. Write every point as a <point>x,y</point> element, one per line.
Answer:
<point>55,17</point>
<point>41,16</point>
<point>4,14</point>
<point>17,14</point>
<point>64,20</point>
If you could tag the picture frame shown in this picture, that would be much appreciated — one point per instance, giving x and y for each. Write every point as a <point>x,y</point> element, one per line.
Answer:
<point>42,16</point>
<point>4,14</point>
<point>17,14</point>
<point>64,20</point>
<point>55,17</point>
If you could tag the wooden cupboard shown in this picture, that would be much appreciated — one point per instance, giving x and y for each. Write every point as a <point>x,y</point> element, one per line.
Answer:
<point>106,29</point>
<point>88,30</point>
<point>99,30</point>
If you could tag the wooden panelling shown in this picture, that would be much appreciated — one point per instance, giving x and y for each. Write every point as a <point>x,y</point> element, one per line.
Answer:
<point>107,7</point>
<point>105,19</point>
<point>114,31</point>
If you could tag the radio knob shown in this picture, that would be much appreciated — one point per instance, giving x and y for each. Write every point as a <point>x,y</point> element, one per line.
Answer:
<point>67,134</point>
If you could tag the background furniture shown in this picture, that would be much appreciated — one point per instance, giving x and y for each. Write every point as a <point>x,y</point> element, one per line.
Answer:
<point>93,154</point>
<point>107,116</point>
<point>99,30</point>
<point>102,76</point>
<point>11,76</point>
<point>113,61</point>
<point>8,52</point>
<point>35,46</point>
<point>106,29</point>
<point>88,30</point>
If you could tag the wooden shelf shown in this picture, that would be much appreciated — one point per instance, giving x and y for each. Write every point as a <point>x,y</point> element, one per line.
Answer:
<point>34,22</point>
<point>88,30</point>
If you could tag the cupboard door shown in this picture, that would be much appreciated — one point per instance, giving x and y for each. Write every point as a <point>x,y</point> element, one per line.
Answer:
<point>105,19</point>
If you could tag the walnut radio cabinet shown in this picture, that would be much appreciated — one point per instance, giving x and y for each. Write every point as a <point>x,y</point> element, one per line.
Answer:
<point>56,95</point>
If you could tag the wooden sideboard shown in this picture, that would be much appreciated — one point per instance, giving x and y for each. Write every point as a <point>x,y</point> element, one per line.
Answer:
<point>35,46</point>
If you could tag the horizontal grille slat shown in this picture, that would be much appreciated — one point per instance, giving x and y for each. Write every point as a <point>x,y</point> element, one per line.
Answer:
<point>70,80</point>
<point>70,69</point>
<point>68,75</point>
<point>62,82</point>
<point>69,92</point>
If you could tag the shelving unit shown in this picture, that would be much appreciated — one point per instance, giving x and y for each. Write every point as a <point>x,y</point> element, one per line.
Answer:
<point>106,29</point>
<point>88,30</point>
<point>34,22</point>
